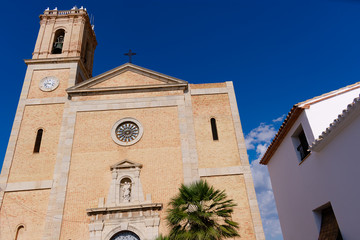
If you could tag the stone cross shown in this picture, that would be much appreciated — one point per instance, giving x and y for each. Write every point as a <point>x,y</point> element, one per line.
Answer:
<point>130,54</point>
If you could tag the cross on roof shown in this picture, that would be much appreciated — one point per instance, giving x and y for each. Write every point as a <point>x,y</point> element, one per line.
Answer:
<point>130,54</point>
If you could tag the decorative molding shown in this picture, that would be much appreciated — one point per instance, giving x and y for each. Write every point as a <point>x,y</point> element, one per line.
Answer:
<point>208,91</point>
<point>127,67</point>
<point>191,139</point>
<point>26,186</point>
<point>224,171</point>
<point>42,101</point>
<point>125,208</point>
<point>127,89</point>
<point>52,60</point>
<point>129,101</point>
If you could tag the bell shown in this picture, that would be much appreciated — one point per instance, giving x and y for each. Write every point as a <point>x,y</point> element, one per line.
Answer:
<point>58,45</point>
<point>57,48</point>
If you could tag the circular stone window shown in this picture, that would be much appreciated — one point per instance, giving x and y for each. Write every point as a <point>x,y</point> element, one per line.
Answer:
<point>126,131</point>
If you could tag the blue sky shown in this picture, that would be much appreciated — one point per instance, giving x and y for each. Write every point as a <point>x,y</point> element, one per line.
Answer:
<point>277,53</point>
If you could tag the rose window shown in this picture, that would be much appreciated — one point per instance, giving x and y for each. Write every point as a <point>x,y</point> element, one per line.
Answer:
<point>127,131</point>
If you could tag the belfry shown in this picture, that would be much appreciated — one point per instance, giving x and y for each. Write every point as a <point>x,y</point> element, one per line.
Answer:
<point>100,157</point>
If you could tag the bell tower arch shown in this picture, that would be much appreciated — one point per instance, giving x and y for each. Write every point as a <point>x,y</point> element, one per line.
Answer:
<point>66,35</point>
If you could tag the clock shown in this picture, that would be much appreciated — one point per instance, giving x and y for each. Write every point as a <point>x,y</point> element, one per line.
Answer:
<point>48,84</point>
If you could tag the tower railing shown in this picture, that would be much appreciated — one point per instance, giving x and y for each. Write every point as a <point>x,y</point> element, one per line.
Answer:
<point>56,12</point>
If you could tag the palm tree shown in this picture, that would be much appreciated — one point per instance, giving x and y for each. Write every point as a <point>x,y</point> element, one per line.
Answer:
<point>199,212</point>
<point>161,237</point>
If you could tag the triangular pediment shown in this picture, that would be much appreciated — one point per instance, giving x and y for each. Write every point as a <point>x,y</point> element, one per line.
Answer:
<point>127,78</point>
<point>125,164</point>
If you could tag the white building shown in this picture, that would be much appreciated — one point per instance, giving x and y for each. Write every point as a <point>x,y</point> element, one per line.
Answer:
<point>314,167</point>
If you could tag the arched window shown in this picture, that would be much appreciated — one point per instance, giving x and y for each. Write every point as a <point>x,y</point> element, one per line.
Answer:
<point>125,235</point>
<point>38,140</point>
<point>19,232</point>
<point>58,41</point>
<point>214,129</point>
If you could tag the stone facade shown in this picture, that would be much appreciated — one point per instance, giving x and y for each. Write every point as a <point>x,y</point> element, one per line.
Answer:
<point>84,185</point>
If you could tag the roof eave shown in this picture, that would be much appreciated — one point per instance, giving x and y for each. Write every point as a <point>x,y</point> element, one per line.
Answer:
<point>283,130</point>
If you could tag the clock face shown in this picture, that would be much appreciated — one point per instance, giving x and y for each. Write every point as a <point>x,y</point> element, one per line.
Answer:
<point>48,84</point>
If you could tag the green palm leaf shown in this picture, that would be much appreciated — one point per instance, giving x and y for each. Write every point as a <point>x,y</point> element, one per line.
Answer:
<point>200,212</point>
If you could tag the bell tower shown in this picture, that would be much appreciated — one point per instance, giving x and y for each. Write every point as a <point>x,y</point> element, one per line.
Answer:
<point>67,36</point>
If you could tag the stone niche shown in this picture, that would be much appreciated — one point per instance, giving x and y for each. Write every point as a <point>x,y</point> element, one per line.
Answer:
<point>125,209</point>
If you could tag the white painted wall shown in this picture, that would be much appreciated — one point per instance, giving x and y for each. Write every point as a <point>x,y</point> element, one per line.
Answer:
<point>321,114</point>
<point>331,175</point>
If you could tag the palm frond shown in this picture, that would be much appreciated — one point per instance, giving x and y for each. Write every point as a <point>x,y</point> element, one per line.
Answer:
<point>200,212</point>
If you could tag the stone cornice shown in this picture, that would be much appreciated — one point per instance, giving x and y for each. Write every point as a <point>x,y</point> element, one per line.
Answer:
<point>125,67</point>
<point>125,164</point>
<point>59,60</point>
<point>124,208</point>
<point>167,83</point>
<point>126,89</point>
<point>52,60</point>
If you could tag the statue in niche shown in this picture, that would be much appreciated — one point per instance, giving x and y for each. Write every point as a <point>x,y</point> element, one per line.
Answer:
<point>126,191</point>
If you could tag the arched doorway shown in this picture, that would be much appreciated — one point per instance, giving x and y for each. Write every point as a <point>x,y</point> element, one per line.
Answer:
<point>125,235</point>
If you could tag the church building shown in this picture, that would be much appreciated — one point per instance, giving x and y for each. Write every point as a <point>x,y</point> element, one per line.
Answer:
<point>100,157</point>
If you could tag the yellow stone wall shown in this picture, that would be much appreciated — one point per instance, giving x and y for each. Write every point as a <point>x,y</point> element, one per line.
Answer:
<point>94,152</point>
<point>208,85</point>
<point>128,78</point>
<point>27,208</point>
<point>214,153</point>
<point>61,74</point>
<point>161,150</point>
<point>235,189</point>
<point>30,166</point>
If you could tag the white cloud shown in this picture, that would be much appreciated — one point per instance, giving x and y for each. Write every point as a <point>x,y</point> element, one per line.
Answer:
<point>261,134</point>
<point>279,119</point>
<point>261,149</point>
<point>258,140</point>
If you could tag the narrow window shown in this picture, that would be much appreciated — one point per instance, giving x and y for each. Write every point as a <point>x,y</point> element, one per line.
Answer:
<point>58,41</point>
<point>300,142</point>
<point>214,129</point>
<point>303,148</point>
<point>85,52</point>
<point>38,140</point>
<point>19,232</point>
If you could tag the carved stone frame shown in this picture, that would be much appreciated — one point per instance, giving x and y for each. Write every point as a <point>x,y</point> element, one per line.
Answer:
<point>139,216</point>
<point>113,131</point>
